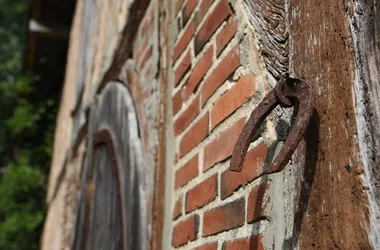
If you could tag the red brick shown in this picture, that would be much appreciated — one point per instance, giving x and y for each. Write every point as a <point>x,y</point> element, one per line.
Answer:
<point>233,99</point>
<point>221,147</point>
<point>221,12</point>
<point>177,102</point>
<point>227,33</point>
<point>189,8</point>
<point>256,205</point>
<point>199,71</point>
<point>147,22</point>
<point>141,49</point>
<point>148,71</point>
<point>225,68</point>
<point>249,243</point>
<point>195,135</point>
<point>224,218</point>
<point>187,116</point>
<point>184,40</point>
<point>205,4</point>
<point>185,231</point>
<point>201,194</point>
<point>177,211</point>
<point>178,6</point>
<point>187,172</point>
<point>146,57</point>
<point>209,246</point>
<point>183,67</point>
<point>252,168</point>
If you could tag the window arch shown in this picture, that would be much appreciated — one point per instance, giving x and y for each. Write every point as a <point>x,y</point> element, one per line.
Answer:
<point>112,207</point>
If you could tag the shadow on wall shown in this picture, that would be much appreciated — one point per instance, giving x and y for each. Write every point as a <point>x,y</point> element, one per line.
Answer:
<point>310,163</point>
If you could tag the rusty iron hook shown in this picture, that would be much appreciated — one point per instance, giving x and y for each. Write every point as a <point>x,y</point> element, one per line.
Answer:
<point>287,92</point>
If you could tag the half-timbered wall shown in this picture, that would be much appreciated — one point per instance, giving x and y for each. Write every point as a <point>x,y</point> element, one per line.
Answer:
<point>155,97</point>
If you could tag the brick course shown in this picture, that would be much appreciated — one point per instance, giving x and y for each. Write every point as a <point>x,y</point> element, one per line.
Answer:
<point>187,116</point>
<point>201,194</point>
<point>222,146</point>
<point>207,121</point>
<point>256,203</point>
<point>187,172</point>
<point>199,71</point>
<point>195,135</point>
<point>226,34</point>
<point>224,69</point>
<point>185,231</point>
<point>233,99</point>
<point>224,218</point>
<point>252,168</point>
<point>183,67</point>
<point>221,12</point>
<point>184,40</point>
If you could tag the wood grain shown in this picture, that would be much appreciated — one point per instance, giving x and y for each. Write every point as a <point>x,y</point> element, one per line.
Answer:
<point>268,18</point>
<point>336,216</point>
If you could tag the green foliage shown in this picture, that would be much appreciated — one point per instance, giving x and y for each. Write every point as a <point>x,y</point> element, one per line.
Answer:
<point>26,137</point>
<point>12,30</point>
<point>22,189</point>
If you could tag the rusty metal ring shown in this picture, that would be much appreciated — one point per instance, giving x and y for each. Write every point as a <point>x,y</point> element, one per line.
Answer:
<point>278,90</point>
<point>299,94</point>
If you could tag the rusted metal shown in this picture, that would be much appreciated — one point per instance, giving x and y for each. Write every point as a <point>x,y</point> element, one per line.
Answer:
<point>288,92</point>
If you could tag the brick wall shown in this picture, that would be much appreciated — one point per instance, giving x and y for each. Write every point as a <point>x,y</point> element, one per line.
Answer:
<point>215,85</point>
<point>195,70</point>
<point>214,77</point>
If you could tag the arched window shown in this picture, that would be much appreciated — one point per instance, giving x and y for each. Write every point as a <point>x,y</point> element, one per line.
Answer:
<point>112,209</point>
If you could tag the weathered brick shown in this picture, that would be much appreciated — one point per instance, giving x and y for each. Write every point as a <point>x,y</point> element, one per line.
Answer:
<point>146,57</point>
<point>208,246</point>
<point>224,69</point>
<point>221,12</point>
<point>177,211</point>
<point>205,4</point>
<point>195,135</point>
<point>147,22</point>
<point>233,99</point>
<point>249,243</point>
<point>187,172</point>
<point>252,168</point>
<point>201,194</point>
<point>183,67</point>
<point>225,35</point>
<point>256,205</point>
<point>224,218</point>
<point>221,147</point>
<point>185,231</point>
<point>199,71</point>
<point>178,6</point>
<point>184,40</point>
<point>187,116</point>
<point>177,102</point>
<point>141,49</point>
<point>189,8</point>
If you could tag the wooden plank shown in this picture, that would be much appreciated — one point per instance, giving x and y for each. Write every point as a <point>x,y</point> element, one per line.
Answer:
<point>336,215</point>
<point>364,20</point>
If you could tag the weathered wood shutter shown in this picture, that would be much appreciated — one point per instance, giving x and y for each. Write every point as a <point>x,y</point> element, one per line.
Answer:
<point>112,210</point>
